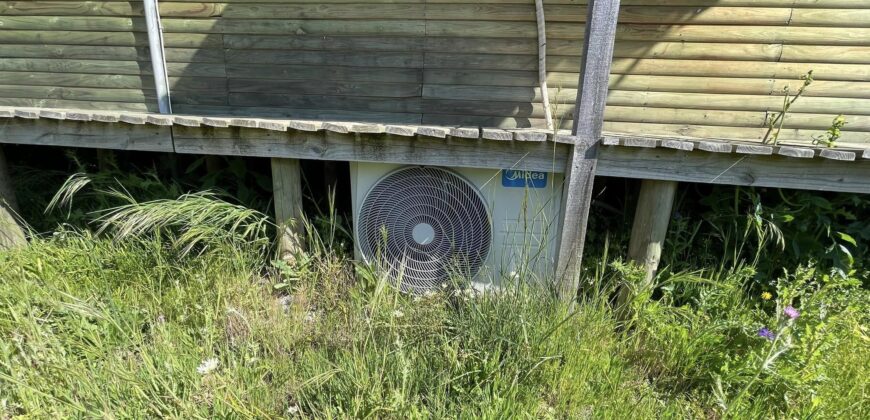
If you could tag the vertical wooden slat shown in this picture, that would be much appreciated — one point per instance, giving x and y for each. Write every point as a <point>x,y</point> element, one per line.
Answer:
<point>588,119</point>
<point>287,190</point>
<point>651,219</point>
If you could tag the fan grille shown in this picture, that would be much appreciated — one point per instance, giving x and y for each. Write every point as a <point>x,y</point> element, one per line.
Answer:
<point>425,226</point>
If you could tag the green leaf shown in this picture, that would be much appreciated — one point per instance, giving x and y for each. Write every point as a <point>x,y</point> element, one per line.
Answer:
<point>846,237</point>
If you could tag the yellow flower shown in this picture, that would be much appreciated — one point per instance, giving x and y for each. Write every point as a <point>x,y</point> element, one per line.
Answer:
<point>766,295</point>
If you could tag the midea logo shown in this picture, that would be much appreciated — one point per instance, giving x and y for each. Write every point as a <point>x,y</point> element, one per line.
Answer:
<point>517,175</point>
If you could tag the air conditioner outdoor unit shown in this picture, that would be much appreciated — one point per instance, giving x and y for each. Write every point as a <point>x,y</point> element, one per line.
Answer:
<point>429,227</point>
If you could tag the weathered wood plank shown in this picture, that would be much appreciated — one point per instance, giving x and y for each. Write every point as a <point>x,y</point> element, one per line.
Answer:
<point>287,191</point>
<point>68,133</point>
<point>52,114</point>
<point>496,134</point>
<point>242,122</point>
<point>530,135</point>
<point>27,113</point>
<point>439,132</point>
<point>465,132</point>
<point>327,145</point>
<point>598,43</point>
<point>137,119</point>
<point>732,169</point>
<point>610,141</point>
<point>651,219</point>
<point>107,117</point>
<point>798,152</point>
<point>678,145</point>
<point>216,122</point>
<point>272,125</point>
<point>336,127</point>
<point>367,128</point>
<point>189,121</point>
<point>304,125</point>
<point>837,154</point>
<point>715,146</point>
<point>401,130</point>
<point>649,143</point>
<point>752,149</point>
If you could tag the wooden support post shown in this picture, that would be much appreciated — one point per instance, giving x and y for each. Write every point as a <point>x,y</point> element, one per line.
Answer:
<point>287,190</point>
<point>588,119</point>
<point>11,234</point>
<point>651,219</point>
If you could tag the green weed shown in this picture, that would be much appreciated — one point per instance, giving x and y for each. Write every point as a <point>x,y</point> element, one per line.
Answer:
<point>175,309</point>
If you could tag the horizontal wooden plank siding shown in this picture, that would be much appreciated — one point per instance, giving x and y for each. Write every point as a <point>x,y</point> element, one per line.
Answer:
<point>714,68</point>
<point>681,67</point>
<point>75,54</point>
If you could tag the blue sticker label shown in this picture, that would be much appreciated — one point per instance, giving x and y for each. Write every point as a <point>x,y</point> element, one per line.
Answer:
<point>521,179</point>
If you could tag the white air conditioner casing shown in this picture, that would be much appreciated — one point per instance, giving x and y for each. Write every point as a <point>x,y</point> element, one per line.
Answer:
<point>523,210</point>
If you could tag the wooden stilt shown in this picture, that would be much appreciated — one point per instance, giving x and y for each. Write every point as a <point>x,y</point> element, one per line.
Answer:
<point>588,120</point>
<point>576,199</point>
<point>651,219</point>
<point>11,234</point>
<point>287,190</point>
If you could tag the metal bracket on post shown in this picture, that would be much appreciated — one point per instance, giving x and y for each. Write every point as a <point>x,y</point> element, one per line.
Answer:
<point>588,119</point>
<point>158,59</point>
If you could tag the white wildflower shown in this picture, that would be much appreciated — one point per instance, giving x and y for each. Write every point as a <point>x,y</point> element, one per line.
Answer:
<point>310,317</point>
<point>398,314</point>
<point>207,366</point>
<point>293,409</point>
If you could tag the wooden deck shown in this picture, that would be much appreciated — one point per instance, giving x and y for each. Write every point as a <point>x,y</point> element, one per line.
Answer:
<point>686,159</point>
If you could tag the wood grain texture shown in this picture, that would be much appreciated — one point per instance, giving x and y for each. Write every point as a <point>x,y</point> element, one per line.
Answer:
<point>591,100</point>
<point>681,66</point>
<point>287,194</point>
<point>733,169</point>
<point>651,218</point>
<point>327,145</point>
<point>46,132</point>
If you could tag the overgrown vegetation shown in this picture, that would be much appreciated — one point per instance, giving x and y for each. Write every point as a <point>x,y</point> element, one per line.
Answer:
<point>148,302</point>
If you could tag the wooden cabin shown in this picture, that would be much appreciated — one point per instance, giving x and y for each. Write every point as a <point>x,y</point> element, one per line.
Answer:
<point>691,87</point>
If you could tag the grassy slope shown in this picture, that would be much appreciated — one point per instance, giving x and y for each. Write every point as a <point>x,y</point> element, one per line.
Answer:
<point>116,326</point>
<point>94,327</point>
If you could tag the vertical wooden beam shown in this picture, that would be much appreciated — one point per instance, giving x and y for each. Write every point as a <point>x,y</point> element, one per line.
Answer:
<point>287,190</point>
<point>588,119</point>
<point>11,234</point>
<point>651,219</point>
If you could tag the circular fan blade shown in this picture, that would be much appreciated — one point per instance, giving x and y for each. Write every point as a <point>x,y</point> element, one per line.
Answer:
<point>425,226</point>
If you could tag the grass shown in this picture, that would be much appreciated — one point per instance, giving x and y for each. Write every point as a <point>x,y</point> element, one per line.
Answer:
<point>158,316</point>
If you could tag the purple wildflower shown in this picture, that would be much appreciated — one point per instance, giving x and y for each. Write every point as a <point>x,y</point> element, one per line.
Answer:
<point>791,312</point>
<point>766,333</point>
